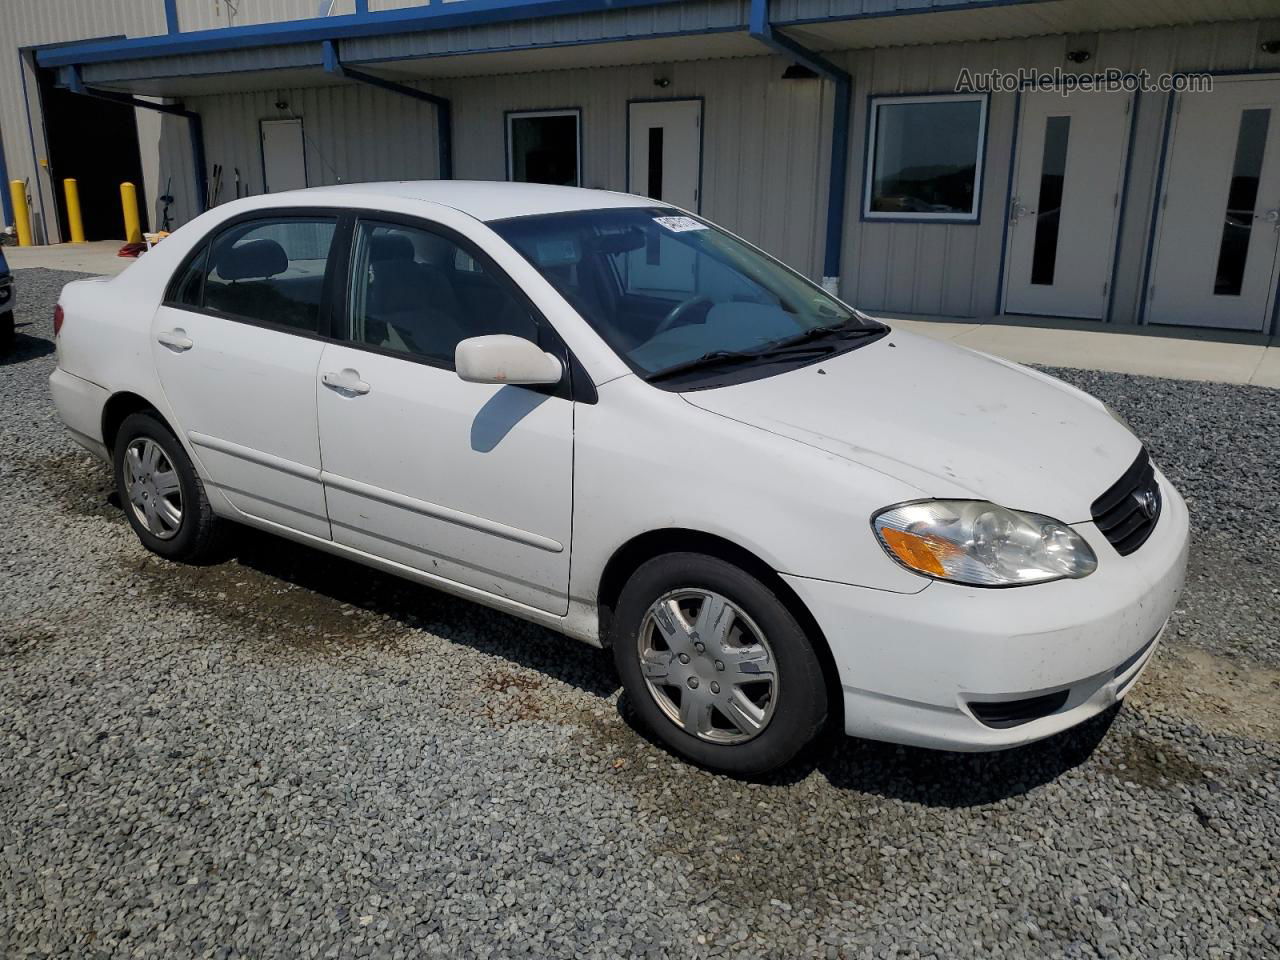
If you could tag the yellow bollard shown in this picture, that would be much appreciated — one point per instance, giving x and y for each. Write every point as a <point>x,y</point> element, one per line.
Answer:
<point>74,220</point>
<point>132,222</point>
<point>21,215</point>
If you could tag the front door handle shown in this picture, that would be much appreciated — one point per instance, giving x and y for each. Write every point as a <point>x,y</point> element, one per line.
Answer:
<point>348,381</point>
<point>176,340</point>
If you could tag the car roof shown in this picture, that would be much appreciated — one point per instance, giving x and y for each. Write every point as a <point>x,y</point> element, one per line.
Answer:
<point>482,199</point>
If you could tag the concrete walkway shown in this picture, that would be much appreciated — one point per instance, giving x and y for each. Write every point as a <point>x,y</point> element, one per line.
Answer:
<point>98,257</point>
<point>1182,354</point>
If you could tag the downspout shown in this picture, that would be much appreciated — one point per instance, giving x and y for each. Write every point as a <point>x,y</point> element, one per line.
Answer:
<point>444,108</point>
<point>195,126</point>
<point>779,43</point>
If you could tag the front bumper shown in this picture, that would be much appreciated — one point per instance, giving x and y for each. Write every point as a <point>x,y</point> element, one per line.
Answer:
<point>912,666</point>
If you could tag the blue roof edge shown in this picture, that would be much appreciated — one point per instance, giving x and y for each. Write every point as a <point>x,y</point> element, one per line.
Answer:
<point>318,29</point>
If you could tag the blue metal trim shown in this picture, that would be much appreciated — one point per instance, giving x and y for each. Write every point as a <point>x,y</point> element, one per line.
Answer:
<point>6,205</point>
<point>1008,200</point>
<point>171,17</point>
<point>362,7</point>
<point>511,48</point>
<point>444,108</point>
<point>1124,203</point>
<point>195,125</point>
<point>702,122</point>
<point>907,12</point>
<point>446,16</point>
<point>981,166</point>
<point>1143,296</point>
<point>838,176</point>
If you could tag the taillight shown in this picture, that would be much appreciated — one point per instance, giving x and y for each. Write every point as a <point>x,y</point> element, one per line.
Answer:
<point>57,319</point>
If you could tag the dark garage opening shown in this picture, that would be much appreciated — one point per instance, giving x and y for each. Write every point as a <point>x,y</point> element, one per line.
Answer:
<point>96,142</point>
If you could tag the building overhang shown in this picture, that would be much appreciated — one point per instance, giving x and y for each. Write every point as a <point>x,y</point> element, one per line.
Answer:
<point>488,37</point>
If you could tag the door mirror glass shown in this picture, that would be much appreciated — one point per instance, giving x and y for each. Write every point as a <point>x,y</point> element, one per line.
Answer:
<point>502,358</point>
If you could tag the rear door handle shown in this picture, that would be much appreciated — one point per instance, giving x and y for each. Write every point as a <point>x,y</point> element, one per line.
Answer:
<point>176,340</point>
<point>348,381</point>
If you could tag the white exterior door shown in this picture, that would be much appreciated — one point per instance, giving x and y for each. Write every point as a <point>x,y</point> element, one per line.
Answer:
<point>665,162</point>
<point>284,157</point>
<point>469,482</point>
<point>1214,264</point>
<point>236,351</point>
<point>1063,214</point>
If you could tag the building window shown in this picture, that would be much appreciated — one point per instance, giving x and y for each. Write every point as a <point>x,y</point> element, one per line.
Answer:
<point>924,158</point>
<point>545,146</point>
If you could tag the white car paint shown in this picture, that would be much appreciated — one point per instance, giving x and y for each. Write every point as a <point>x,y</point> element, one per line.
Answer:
<point>519,501</point>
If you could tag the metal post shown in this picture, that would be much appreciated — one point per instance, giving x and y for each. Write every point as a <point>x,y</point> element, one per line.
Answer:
<point>74,220</point>
<point>21,212</point>
<point>132,222</point>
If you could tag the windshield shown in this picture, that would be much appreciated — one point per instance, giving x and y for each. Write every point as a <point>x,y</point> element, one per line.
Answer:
<point>679,299</point>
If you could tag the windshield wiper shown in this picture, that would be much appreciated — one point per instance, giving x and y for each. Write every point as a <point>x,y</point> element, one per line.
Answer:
<point>716,358</point>
<point>818,333</point>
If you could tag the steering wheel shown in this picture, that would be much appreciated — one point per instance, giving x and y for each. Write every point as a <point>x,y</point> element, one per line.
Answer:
<point>679,310</point>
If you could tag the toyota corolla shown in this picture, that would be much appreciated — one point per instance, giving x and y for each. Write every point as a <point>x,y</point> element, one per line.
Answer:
<point>615,419</point>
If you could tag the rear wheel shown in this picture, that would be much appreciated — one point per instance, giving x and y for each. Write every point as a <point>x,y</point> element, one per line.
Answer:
<point>716,665</point>
<point>162,496</point>
<point>6,331</point>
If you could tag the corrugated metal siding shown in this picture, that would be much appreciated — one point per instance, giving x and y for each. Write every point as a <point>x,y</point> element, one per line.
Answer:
<point>351,133</point>
<point>783,10</point>
<point>953,269</point>
<point>228,62</point>
<point>208,14</point>
<point>764,163</point>
<point>690,16</point>
<point>32,22</point>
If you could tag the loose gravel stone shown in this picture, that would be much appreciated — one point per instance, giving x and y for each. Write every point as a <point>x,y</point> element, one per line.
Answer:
<point>286,755</point>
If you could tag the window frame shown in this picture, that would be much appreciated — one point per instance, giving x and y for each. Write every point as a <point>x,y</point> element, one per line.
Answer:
<point>267,215</point>
<point>575,385</point>
<point>874,103</point>
<point>509,118</point>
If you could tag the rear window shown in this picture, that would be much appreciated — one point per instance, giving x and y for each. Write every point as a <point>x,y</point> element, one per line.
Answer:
<point>266,271</point>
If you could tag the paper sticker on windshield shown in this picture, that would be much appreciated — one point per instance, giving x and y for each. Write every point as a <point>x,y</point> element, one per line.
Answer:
<point>679,224</point>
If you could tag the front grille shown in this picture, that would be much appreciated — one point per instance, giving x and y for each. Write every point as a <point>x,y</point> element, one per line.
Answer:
<point>1002,714</point>
<point>1127,513</point>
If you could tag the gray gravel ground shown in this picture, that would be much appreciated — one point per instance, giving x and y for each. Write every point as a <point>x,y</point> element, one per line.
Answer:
<point>288,756</point>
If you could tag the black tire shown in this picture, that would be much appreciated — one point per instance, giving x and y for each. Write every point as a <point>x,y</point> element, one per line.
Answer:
<point>6,331</point>
<point>800,693</point>
<point>199,536</point>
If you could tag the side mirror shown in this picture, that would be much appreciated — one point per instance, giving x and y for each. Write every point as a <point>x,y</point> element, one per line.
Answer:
<point>502,358</point>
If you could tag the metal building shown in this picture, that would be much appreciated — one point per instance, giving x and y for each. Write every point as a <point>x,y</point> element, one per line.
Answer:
<point>866,142</point>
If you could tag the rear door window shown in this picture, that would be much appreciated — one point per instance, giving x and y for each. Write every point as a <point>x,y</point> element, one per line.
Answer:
<point>270,271</point>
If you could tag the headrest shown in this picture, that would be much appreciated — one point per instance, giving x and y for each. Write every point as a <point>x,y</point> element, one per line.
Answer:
<point>252,260</point>
<point>390,246</point>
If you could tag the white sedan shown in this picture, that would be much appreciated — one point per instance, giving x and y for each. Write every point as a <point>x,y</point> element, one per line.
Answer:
<point>615,419</point>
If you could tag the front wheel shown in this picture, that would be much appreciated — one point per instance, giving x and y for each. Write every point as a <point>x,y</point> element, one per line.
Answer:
<point>162,496</point>
<point>6,331</point>
<point>716,665</point>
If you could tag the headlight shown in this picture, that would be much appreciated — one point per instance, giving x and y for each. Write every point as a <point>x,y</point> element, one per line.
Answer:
<point>982,544</point>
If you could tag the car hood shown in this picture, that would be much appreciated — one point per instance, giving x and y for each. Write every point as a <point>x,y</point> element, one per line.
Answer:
<point>948,421</point>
